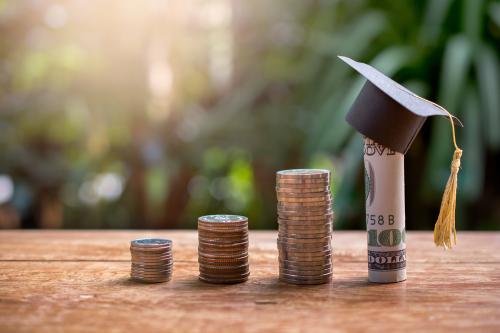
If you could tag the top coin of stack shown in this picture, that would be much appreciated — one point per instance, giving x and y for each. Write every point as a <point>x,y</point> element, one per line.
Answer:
<point>223,248</point>
<point>305,219</point>
<point>152,260</point>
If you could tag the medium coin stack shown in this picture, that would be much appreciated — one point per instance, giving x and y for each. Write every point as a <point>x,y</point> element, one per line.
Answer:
<point>152,260</point>
<point>223,248</point>
<point>305,220</point>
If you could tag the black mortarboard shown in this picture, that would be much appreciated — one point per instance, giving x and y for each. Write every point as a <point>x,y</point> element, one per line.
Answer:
<point>387,112</point>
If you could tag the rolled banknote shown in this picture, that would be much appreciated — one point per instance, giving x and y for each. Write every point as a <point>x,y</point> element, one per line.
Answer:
<point>385,213</point>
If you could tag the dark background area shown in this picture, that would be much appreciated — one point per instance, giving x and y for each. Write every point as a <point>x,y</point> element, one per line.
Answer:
<point>127,114</point>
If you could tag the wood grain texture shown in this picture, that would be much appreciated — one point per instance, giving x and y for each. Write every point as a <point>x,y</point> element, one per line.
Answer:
<point>74,281</point>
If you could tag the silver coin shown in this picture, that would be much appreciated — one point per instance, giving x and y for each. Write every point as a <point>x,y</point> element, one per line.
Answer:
<point>223,218</point>
<point>151,242</point>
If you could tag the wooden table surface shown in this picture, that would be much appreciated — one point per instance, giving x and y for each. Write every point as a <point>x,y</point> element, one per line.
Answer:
<point>79,281</point>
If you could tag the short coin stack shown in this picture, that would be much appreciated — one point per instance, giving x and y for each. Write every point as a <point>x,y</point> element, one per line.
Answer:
<point>152,260</point>
<point>305,219</point>
<point>223,248</point>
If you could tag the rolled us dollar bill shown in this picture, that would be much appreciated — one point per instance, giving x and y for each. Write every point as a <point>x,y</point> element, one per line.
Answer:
<point>385,213</point>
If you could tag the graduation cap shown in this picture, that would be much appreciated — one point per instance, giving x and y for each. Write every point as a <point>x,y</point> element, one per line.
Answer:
<point>392,115</point>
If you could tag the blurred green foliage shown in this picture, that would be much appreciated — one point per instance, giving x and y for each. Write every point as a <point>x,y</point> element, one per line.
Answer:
<point>124,114</point>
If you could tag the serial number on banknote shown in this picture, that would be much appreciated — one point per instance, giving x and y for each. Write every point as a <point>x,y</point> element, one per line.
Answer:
<point>373,219</point>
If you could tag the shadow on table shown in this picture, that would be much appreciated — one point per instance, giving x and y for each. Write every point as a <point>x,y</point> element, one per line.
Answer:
<point>263,283</point>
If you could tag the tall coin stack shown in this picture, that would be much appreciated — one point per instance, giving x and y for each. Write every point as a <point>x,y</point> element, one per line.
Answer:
<point>305,218</point>
<point>223,248</point>
<point>152,260</point>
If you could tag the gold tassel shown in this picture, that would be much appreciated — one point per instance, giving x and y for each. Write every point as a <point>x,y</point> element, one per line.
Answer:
<point>445,224</point>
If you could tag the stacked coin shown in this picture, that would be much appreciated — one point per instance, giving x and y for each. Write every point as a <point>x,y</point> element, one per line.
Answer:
<point>305,219</point>
<point>152,260</point>
<point>223,248</point>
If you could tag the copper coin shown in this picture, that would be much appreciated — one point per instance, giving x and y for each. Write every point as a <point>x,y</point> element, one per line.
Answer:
<point>165,259</point>
<point>305,281</point>
<point>154,280</point>
<point>305,251</point>
<point>146,272</point>
<point>210,244</point>
<point>227,266</point>
<point>304,232</point>
<point>140,254</point>
<point>223,261</point>
<point>305,277</point>
<point>306,274</point>
<point>317,261</point>
<point>301,189</point>
<point>222,254</point>
<point>293,217</point>
<point>290,240</point>
<point>306,266</point>
<point>222,235</point>
<point>306,221</point>
<point>151,250</point>
<point>300,209</point>
<point>222,250</point>
<point>308,213</point>
<point>150,274</point>
<point>282,188</point>
<point>312,246</point>
<point>224,276</point>
<point>142,268</point>
<point>298,235</point>
<point>286,192</point>
<point>302,182</point>
<point>302,204</point>
<point>303,173</point>
<point>158,259</point>
<point>283,233</point>
<point>227,254</point>
<point>296,255</point>
<point>152,265</point>
<point>222,230</point>
<point>311,258</point>
<point>141,272</point>
<point>222,240</point>
<point>312,201</point>
<point>323,260</point>
<point>306,229</point>
<point>303,248</point>
<point>223,281</point>
<point>304,236</point>
<point>223,273</point>
<point>319,227</point>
